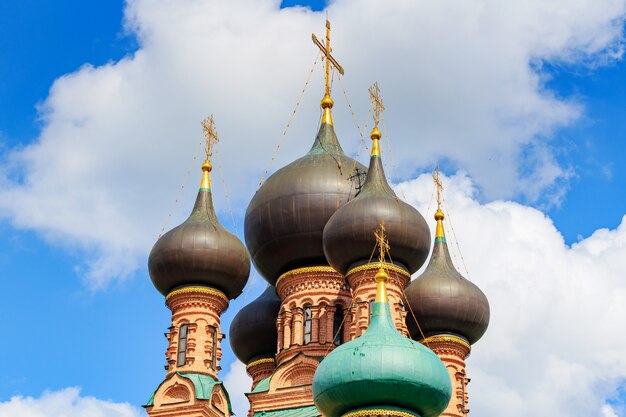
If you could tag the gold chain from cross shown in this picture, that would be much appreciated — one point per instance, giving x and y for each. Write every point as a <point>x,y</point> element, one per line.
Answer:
<point>381,242</point>
<point>326,50</point>
<point>210,133</point>
<point>438,186</point>
<point>377,102</point>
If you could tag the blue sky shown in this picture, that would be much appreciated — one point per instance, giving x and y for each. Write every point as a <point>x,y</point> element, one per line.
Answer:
<point>59,332</point>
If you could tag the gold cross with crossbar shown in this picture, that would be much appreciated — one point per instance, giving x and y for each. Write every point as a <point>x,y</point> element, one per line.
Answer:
<point>326,50</point>
<point>377,102</point>
<point>210,133</point>
<point>439,186</point>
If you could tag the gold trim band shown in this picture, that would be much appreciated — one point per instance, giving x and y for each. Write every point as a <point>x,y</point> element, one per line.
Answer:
<point>444,339</point>
<point>379,412</point>
<point>377,265</point>
<point>201,290</point>
<point>306,269</point>
<point>260,361</point>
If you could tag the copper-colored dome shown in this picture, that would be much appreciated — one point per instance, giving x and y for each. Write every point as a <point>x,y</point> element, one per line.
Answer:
<point>200,251</point>
<point>444,302</point>
<point>286,217</point>
<point>349,234</point>
<point>253,333</point>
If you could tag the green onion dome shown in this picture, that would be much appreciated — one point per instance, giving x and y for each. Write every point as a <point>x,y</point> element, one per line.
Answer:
<point>381,370</point>
<point>348,238</point>
<point>200,251</point>
<point>443,301</point>
<point>286,217</point>
<point>253,333</point>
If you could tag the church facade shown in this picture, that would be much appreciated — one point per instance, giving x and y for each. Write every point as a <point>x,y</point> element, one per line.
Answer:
<point>341,329</point>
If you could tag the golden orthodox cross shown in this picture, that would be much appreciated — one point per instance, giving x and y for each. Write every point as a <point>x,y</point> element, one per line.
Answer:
<point>439,187</point>
<point>210,133</point>
<point>381,242</point>
<point>377,102</point>
<point>326,50</point>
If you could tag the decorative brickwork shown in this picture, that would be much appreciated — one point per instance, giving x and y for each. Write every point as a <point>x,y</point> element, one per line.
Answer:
<point>176,397</point>
<point>260,369</point>
<point>306,329</point>
<point>361,280</point>
<point>194,347</point>
<point>453,351</point>
<point>316,292</point>
<point>289,387</point>
<point>198,308</point>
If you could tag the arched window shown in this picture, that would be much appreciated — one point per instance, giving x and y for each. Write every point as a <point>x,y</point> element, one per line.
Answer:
<point>338,326</point>
<point>182,345</point>
<point>307,325</point>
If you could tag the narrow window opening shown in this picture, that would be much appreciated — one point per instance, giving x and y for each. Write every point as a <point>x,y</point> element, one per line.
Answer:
<point>307,325</point>
<point>182,345</point>
<point>338,326</point>
<point>214,349</point>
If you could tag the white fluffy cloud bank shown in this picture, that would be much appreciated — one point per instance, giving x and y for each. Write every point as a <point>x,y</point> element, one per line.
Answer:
<point>65,403</point>
<point>554,344</point>
<point>462,81</point>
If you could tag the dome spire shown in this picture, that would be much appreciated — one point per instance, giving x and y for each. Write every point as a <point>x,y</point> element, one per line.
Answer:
<point>348,237</point>
<point>377,103</point>
<point>327,102</point>
<point>210,134</point>
<point>200,251</point>
<point>440,235</point>
<point>381,276</point>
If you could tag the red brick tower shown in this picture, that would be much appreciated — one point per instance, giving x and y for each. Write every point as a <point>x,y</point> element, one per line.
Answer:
<point>198,266</point>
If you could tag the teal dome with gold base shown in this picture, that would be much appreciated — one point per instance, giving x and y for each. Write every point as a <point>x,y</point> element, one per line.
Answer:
<point>381,372</point>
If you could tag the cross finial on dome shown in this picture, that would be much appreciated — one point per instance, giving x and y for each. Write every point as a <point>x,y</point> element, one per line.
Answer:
<point>327,102</point>
<point>439,233</point>
<point>210,134</point>
<point>377,103</point>
<point>381,242</point>
<point>438,186</point>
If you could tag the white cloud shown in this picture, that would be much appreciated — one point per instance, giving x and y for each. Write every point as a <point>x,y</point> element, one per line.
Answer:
<point>462,81</point>
<point>237,382</point>
<point>554,344</point>
<point>607,411</point>
<point>65,403</point>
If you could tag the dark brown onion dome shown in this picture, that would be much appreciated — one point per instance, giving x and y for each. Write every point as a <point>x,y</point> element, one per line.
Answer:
<point>443,301</point>
<point>253,333</point>
<point>200,251</point>
<point>349,234</point>
<point>286,217</point>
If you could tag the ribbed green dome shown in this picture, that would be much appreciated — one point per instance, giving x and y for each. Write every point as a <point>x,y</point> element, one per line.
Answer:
<point>381,369</point>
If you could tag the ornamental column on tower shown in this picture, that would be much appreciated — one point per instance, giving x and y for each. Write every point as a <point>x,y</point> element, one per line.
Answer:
<point>382,373</point>
<point>283,229</point>
<point>348,238</point>
<point>198,266</point>
<point>451,313</point>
